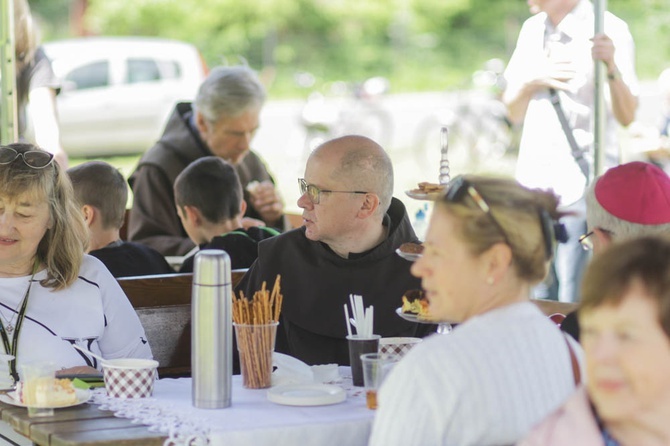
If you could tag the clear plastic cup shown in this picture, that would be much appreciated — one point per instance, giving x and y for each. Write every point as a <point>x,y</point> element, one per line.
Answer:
<point>38,381</point>
<point>376,367</point>
<point>255,344</point>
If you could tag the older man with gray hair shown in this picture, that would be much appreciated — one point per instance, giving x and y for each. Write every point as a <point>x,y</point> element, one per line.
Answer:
<point>628,201</point>
<point>221,121</point>
<point>352,228</point>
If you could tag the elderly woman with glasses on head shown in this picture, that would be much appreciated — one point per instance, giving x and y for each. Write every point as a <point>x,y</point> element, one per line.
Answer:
<point>53,296</point>
<point>625,319</point>
<point>506,365</point>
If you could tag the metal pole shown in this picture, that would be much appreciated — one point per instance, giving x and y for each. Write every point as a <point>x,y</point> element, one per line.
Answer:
<point>599,110</point>
<point>9,131</point>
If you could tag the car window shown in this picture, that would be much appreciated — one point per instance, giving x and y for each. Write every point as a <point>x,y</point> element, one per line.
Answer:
<point>170,69</point>
<point>142,70</point>
<point>92,75</point>
<point>146,70</point>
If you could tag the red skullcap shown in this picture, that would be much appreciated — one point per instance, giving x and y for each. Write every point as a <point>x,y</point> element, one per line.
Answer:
<point>636,192</point>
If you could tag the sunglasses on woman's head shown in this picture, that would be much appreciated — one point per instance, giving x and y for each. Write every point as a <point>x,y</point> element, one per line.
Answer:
<point>459,187</point>
<point>551,230</point>
<point>35,159</point>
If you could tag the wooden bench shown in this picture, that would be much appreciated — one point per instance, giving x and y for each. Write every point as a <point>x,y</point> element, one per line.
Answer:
<point>550,307</point>
<point>163,304</point>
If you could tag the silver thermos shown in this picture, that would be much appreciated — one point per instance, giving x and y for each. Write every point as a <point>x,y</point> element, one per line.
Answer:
<point>211,330</point>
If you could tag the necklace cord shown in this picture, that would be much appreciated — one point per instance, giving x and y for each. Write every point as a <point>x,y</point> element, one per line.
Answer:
<point>13,348</point>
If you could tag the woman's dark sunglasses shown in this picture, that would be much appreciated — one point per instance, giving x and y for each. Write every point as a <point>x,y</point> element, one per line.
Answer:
<point>35,159</point>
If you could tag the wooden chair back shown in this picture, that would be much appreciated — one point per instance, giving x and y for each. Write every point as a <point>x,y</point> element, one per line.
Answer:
<point>163,304</point>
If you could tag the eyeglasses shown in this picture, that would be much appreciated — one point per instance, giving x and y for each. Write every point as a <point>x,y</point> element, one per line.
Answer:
<point>587,242</point>
<point>458,187</point>
<point>35,159</point>
<point>314,193</point>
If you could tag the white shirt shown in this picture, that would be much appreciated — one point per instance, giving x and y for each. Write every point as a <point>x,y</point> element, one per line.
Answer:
<point>93,312</point>
<point>486,383</point>
<point>545,160</point>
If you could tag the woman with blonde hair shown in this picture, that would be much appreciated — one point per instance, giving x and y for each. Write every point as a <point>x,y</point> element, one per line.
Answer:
<point>54,296</point>
<point>506,365</point>
<point>625,319</point>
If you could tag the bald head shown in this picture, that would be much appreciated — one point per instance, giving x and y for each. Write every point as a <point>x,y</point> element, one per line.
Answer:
<point>362,164</point>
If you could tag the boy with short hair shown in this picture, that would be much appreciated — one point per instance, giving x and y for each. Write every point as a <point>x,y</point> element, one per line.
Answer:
<point>102,193</point>
<point>210,205</point>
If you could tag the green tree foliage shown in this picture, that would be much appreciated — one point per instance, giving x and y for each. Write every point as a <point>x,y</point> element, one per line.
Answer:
<point>50,15</point>
<point>418,44</point>
<point>649,22</point>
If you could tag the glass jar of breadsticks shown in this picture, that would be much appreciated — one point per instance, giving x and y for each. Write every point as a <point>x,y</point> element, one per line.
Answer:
<point>255,321</point>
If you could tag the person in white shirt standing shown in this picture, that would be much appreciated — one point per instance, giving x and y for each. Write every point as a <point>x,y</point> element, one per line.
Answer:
<point>555,51</point>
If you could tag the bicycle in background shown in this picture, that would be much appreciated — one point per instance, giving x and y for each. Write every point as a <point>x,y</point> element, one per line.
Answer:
<point>349,108</point>
<point>479,129</point>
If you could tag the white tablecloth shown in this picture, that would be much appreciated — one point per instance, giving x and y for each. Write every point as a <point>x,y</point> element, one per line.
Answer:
<point>251,420</point>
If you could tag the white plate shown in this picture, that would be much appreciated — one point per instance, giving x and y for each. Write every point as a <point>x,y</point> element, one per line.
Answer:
<point>413,317</point>
<point>428,196</point>
<point>411,256</point>
<point>83,396</point>
<point>420,319</point>
<point>307,394</point>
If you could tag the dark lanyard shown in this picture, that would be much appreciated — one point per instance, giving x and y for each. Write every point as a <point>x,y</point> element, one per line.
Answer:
<point>13,349</point>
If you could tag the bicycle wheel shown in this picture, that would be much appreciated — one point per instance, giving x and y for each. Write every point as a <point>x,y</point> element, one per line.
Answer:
<point>314,137</point>
<point>368,120</point>
<point>494,133</point>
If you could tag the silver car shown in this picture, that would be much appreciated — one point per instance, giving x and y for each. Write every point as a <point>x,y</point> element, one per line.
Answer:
<point>117,92</point>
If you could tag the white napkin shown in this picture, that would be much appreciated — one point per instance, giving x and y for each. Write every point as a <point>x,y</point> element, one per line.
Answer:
<point>6,380</point>
<point>326,373</point>
<point>290,370</point>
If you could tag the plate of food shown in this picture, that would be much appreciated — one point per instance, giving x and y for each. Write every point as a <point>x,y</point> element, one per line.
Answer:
<point>426,191</point>
<point>307,394</point>
<point>63,394</point>
<point>415,308</point>
<point>410,251</point>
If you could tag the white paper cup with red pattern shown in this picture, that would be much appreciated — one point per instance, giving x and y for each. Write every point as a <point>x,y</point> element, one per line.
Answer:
<point>129,378</point>
<point>397,346</point>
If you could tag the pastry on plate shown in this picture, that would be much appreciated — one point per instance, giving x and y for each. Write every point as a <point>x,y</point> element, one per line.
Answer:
<point>56,392</point>
<point>411,248</point>
<point>415,302</point>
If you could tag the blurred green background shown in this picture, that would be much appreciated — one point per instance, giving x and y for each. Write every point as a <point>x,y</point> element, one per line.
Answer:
<point>419,45</point>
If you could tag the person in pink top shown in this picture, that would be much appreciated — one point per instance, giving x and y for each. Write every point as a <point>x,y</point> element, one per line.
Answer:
<point>625,319</point>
